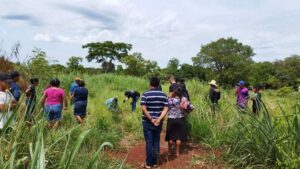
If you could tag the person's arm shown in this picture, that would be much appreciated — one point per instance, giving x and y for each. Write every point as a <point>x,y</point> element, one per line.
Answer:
<point>65,100</point>
<point>163,114</point>
<point>144,109</point>
<point>16,93</point>
<point>3,107</point>
<point>43,100</point>
<point>146,113</point>
<point>210,93</point>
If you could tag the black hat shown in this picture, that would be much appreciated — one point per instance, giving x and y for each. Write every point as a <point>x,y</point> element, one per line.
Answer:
<point>5,77</point>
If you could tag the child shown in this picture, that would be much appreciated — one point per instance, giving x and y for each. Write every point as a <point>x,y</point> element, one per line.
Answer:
<point>256,100</point>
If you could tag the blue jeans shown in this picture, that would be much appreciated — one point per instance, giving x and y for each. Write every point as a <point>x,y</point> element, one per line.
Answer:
<point>133,104</point>
<point>53,112</point>
<point>152,139</point>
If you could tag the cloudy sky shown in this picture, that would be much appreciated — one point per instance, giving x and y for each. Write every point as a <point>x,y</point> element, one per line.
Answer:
<point>160,29</point>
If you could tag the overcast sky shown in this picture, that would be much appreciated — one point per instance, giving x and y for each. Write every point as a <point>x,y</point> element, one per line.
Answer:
<point>159,29</point>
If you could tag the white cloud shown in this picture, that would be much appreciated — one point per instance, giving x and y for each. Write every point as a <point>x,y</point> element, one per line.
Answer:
<point>158,29</point>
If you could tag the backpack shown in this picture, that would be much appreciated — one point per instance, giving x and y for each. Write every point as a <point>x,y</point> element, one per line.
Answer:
<point>187,106</point>
<point>217,94</point>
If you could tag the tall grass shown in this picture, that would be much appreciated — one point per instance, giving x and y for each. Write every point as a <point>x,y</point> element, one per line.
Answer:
<point>72,146</point>
<point>270,140</point>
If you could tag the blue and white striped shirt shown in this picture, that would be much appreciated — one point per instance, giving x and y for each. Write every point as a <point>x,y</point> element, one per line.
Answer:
<point>155,101</point>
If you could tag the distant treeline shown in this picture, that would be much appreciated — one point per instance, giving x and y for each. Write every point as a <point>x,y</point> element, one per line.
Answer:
<point>226,60</point>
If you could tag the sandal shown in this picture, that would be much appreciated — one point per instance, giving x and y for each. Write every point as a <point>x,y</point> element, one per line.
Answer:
<point>146,166</point>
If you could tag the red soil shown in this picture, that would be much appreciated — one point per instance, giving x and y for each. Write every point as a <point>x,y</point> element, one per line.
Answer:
<point>194,157</point>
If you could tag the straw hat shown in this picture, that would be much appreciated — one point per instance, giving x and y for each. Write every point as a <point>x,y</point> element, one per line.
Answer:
<point>213,82</point>
<point>77,78</point>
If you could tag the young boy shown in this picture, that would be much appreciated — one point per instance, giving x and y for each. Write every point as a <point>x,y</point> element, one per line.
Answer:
<point>256,100</point>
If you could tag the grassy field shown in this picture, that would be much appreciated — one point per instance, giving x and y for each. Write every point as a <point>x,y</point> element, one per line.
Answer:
<point>270,140</point>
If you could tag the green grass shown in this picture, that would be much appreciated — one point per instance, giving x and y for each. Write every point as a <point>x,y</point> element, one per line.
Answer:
<point>271,140</point>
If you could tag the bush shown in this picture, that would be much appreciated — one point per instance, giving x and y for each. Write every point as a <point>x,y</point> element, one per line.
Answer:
<point>285,91</point>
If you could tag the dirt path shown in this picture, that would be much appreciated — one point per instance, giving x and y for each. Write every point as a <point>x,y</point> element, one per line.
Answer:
<point>193,156</point>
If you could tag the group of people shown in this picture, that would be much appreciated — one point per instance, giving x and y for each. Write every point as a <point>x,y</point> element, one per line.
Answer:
<point>242,97</point>
<point>53,99</point>
<point>155,106</point>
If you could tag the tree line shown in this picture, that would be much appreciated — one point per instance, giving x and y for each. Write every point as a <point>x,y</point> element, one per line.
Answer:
<point>226,60</point>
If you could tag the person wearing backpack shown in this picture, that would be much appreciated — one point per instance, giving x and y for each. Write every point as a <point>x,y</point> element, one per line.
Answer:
<point>214,95</point>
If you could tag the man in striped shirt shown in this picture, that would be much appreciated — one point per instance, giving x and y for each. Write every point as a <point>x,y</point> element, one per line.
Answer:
<point>154,106</point>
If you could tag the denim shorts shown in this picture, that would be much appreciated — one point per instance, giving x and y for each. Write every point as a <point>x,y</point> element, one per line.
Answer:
<point>53,112</point>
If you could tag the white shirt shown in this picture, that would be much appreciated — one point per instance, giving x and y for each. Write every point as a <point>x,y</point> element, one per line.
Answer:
<point>5,98</point>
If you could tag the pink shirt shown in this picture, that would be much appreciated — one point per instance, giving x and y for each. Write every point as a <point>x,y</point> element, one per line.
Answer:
<point>54,96</point>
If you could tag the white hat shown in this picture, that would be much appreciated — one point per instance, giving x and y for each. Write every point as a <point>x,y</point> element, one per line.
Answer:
<point>213,82</point>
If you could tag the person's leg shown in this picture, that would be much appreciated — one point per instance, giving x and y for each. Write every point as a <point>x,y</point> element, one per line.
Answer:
<point>156,144</point>
<point>79,119</point>
<point>56,124</point>
<point>133,105</point>
<point>57,110</point>
<point>148,135</point>
<point>178,146</point>
<point>171,145</point>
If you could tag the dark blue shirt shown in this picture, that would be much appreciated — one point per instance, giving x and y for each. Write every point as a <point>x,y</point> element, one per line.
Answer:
<point>80,94</point>
<point>155,101</point>
<point>15,90</point>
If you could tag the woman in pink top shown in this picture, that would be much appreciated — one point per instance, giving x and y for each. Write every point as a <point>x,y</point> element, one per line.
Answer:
<point>53,100</point>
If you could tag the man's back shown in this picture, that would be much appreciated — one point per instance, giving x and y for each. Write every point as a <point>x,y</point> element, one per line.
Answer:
<point>155,101</point>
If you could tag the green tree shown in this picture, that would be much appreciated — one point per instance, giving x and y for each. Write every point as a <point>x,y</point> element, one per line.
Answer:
<point>106,53</point>
<point>228,59</point>
<point>38,65</point>
<point>58,68</point>
<point>74,63</point>
<point>136,65</point>
<point>288,71</point>
<point>263,73</point>
<point>173,64</point>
